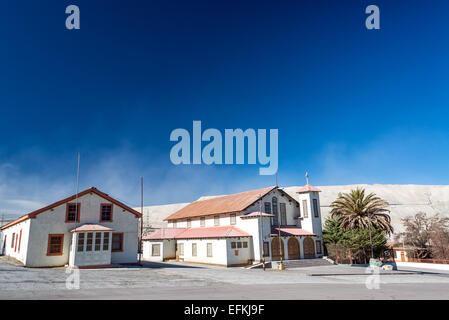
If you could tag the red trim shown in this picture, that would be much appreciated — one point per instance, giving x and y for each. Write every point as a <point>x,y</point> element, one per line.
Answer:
<point>78,212</point>
<point>33,214</point>
<point>121,241</point>
<point>60,248</point>
<point>15,245</point>
<point>20,239</point>
<point>101,210</point>
<point>12,240</point>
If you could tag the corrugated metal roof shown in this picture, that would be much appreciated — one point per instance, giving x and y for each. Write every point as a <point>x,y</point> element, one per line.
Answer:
<point>197,233</point>
<point>224,204</point>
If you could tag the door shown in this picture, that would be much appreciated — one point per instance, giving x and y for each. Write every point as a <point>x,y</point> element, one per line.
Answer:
<point>402,256</point>
<point>309,248</point>
<point>275,252</point>
<point>293,248</point>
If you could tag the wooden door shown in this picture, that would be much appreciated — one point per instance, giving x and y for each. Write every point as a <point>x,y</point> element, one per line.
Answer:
<point>309,248</point>
<point>293,248</point>
<point>275,253</point>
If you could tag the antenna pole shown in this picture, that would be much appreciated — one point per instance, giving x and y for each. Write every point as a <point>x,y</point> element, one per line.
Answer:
<point>261,234</point>
<point>77,190</point>
<point>141,220</point>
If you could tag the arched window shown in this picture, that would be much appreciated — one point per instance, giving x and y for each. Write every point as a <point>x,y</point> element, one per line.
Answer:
<point>274,203</point>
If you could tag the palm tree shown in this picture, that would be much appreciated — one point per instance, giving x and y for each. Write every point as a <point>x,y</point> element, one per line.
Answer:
<point>355,210</point>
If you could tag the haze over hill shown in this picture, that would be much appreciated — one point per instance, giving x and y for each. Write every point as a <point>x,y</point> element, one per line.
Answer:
<point>404,200</point>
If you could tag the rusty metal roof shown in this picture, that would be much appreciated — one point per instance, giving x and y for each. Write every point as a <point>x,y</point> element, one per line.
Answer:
<point>224,204</point>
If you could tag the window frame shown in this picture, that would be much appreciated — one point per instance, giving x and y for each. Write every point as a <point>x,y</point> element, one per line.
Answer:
<point>216,221</point>
<point>194,252</point>
<point>61,246</point>
<point>120,234</point>
<point>202,222</point>
<point>274,204</point>
<point>181,249</point>
<point>78,213</point>
<point>97,235</point>
<point>153,246</point>
<point>305,209</point>
<point>315,208</point>
<point>12,240</point>
<point>78,242</point>
<point>283,215</point>
<point>189,223</point>
<point>266,253</point>
<point>209,244</point>
<point>102,205</point>
<point>318,245</point>
<point>106,243</point>
<point>233,219</point>
<point>91,242</point>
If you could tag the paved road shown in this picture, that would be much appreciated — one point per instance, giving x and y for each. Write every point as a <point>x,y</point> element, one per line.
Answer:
<point>188,281</point>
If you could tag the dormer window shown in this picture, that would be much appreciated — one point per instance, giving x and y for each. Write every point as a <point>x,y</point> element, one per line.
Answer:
<point>106,212</point>
<point>72,212</point>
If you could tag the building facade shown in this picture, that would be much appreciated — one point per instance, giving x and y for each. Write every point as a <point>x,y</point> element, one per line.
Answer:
<point>240,229</point>
<point>86,229</point>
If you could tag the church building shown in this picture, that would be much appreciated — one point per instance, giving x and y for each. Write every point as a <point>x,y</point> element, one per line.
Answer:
<point>240,229</point>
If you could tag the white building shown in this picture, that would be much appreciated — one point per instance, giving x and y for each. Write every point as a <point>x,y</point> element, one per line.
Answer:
<point>85,230</point>
<point>233,229</point>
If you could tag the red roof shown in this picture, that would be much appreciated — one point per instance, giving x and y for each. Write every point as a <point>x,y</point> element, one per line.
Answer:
<point>256,214</point>
<point>91,227</point>
<point>164,233</point>
<point>308,188</point>
<point>33,214</point>
<point>224,204</point>
<point>197,233</point>
<point>290,231</point>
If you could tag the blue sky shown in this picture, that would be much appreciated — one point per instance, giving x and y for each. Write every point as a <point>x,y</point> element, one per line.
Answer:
<point>352,105</point>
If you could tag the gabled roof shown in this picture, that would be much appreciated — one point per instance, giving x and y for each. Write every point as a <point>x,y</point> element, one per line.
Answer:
<point>91,227</point>
<point>224,204</point>
<point>290,231</point>
<point>33,214</point>
<point>256,214</point>
<point>196,233</point>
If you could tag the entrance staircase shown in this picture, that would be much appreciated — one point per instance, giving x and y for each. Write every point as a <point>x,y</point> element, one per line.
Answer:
<point>291,264</point>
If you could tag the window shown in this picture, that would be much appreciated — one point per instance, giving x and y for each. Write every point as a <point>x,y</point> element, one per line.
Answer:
<point>209,249</point>
<point>72,212</point>
<point>80,242</point>
<point>194,249</point>
<point>216,220</point>
<point>239,245</point>
<point>266,249</point>
<point>106,241</point>
<point>106,212</point>
<point>156,250</point>
<point>232,217</point>
<point>97,241</point>
<point>203,222</point>
<point>189,223</point>
<point>304,208</point>
<point>245,244</point>
<point>175,224</point>
<point>233,245</point>
<point>55,244</point>
<point>274,202</point>
<point>283,214</point>
<point>181,249</point>
<point>315,208</point>
<point>12,240</point>
<point>267,207</point>
<point>117,242</point>
<point>90,237</point>
<point>318,246</point>
<point>15,247</point>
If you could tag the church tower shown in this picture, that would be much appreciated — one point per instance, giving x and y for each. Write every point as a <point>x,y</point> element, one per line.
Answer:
<point>309,203</point>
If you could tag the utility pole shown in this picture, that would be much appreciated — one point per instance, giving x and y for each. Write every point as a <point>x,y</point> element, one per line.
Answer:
<point>261,234</point>
<point>141,220</point>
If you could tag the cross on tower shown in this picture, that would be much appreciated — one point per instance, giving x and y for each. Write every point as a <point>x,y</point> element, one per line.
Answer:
<point>307,178</point>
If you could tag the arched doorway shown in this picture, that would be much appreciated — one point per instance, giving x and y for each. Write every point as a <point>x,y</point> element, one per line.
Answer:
<point>275,254</point>
<point>309,248</point>
<point>293,248</point>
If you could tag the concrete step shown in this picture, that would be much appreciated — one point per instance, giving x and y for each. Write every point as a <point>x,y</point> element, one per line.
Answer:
<point>306,263</point>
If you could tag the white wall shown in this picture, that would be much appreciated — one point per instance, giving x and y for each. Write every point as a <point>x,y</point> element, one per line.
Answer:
<point>167,250</point>
<point>14,252</point>
<point>53,222</point>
